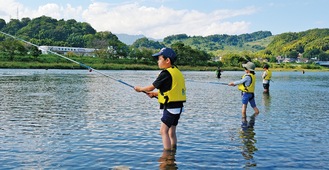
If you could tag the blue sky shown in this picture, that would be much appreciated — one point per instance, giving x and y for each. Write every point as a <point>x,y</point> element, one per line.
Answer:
<point>161,18</point>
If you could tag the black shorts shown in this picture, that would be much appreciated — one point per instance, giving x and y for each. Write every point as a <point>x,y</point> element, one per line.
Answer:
<point>170,119</point>
<point>266,86</point>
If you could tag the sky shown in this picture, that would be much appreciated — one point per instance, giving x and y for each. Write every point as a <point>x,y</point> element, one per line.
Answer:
<point>160,18</point>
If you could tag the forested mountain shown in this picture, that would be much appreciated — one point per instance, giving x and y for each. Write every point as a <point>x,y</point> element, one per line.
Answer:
<point>48,31</point>
<point>45,30</point>
<point>219,42</point>
<point>146,43</point>
<point>312,43</point>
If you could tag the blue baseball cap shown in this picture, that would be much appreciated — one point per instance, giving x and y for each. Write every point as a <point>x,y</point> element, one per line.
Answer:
<point>168,53</point>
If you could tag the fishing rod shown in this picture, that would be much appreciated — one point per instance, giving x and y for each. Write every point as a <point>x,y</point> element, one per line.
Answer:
<point>208,82</point>
<point>218,83</point>
<point>81,64</point>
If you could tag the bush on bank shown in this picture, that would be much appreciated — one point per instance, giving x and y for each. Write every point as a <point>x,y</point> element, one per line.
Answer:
<point>55,62</point>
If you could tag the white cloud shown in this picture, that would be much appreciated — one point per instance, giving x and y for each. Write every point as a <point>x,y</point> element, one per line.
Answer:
<point>10,9</point>
<point>163,21</point>
<point>56,11</point>
<point>133,18</point>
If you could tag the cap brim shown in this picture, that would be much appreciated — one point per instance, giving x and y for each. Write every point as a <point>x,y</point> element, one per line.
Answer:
<point>245,66</point>
<point>156,55</point>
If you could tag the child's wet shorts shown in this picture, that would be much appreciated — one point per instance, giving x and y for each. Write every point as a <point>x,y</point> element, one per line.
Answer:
<point>170,119</point>
<point>248,97</point>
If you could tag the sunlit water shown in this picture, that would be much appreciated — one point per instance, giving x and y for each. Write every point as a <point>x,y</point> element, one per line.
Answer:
<point>75,119</point>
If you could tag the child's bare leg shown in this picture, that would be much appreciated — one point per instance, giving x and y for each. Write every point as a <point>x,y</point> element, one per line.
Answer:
<point>173,137</point>
<point>244,112</point>
<point>165,136</point>
<point>256,111</point>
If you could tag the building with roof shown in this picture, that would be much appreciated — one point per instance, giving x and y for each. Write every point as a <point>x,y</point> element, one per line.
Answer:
<point>66,50</point>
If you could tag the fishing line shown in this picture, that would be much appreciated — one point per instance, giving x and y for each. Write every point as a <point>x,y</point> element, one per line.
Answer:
<point>208,82</point>
<point>81,64</point>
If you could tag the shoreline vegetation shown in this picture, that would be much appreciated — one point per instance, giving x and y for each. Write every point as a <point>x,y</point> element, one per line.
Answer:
<point>123,66</point>
<point>46,61</point>
<point>196,53</point>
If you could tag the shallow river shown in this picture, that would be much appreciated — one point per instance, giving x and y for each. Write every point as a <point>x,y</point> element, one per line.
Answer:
<point>75,119</point>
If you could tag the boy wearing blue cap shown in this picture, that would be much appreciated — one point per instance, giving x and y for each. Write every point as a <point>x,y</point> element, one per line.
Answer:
<point>171,95</point>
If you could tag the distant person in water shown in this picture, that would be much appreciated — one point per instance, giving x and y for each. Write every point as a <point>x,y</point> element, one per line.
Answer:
<point>247,87</point>
<point>267,75</point>
<point>171,96</point>
<point>218,72</point>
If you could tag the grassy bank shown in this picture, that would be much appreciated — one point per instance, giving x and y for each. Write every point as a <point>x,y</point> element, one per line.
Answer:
<point>108,66</point>
<point>55,62</point>
<point>115,66</point>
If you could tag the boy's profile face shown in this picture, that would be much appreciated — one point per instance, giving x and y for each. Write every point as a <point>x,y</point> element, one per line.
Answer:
<point>163,63</point>
<point>246,70</point>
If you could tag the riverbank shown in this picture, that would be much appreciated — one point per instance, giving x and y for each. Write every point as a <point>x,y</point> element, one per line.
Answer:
<point>117,66</point>
<point>107,66</point>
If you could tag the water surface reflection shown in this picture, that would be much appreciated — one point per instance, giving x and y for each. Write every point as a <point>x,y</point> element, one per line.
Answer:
<point>266,102</point>
<point>167,160</point>
<point>249,146</point>
<point>74,119</point>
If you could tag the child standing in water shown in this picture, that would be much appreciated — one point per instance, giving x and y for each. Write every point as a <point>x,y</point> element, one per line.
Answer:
<point>171,95</point>
<point>247,87</point>
<point>267,74</point>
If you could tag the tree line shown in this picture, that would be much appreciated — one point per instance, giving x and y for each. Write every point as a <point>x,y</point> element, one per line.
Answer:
<point>51,32</point>
<point>192,50</point>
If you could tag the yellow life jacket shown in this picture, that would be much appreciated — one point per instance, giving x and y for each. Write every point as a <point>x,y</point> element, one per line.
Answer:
<point>251,87</point>
<point>268,75</point>
<point>177,93</point>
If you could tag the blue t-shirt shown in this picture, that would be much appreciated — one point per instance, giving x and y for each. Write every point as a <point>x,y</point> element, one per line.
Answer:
<point>246,80</point>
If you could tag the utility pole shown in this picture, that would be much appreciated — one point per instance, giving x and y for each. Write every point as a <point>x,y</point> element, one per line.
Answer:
<point>17,14</point>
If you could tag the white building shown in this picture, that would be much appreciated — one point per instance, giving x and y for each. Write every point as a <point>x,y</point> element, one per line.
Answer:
<point>65,50</point>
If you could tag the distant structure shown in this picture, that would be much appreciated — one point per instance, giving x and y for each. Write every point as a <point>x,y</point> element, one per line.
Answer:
<point>64,50</point>
<point>323,63</point>
<point>17,13</point>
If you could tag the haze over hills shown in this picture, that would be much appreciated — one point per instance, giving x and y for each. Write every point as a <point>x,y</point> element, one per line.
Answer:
<point>130,39</point>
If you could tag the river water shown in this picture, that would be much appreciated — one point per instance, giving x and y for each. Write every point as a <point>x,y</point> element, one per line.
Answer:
<point>75,119</point>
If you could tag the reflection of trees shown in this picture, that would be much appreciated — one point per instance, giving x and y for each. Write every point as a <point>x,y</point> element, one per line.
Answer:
<point>248,148</point>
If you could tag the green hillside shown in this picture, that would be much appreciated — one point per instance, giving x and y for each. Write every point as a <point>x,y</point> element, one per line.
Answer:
<point>260,46</point>
<point>220,42</point>
<point>312,43</point>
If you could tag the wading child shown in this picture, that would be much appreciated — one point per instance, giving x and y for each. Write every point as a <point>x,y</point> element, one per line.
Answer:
<point>247,87</point>
<point>171,95</point>
<point>267,74</point>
